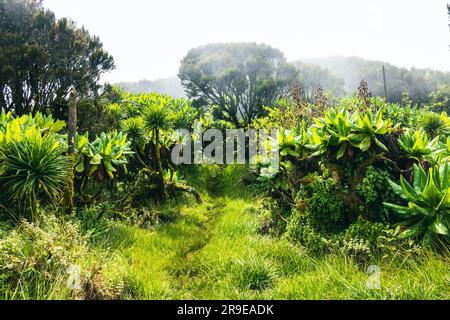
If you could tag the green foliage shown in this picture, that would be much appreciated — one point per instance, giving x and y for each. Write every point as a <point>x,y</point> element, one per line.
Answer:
<point>33,166</point>
<point>156,115</point>
<point>115,111</point>
<point>374,189</point>
<point>427,215</point>
<point>291,143</point>
<point>443,155</point>
<point>372,148</point>
<point>440,99</point>
<point>34,261</point>
<point>434,124</point>
<point>404,116</point>
<point>366,230</point>
<point>42,57</point>
<point>358,249</point>
<point>254,273</point>
<point>343,131</point>
<point>14,129</point>
<point>298,230</point>
<point>240,78</point>
<point>323,208</point>
<point>106,153</point>
<point>368,128</point>
<point>417,145</point>
<point>333,130</point>
<point>134,129</point>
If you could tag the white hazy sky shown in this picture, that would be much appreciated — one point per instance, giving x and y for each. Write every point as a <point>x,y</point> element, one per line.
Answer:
<point>148,38</point>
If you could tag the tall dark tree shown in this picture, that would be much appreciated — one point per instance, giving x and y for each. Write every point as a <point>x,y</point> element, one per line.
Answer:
<point>41,58</point>
<point>238,78</point>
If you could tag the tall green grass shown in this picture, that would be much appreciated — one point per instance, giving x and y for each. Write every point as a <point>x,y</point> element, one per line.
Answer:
<point>214,251</point>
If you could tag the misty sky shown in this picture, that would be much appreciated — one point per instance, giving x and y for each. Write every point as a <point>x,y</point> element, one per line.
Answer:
<point>148,38</point>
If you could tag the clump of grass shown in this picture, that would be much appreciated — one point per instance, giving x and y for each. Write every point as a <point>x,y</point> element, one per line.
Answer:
<point>254,273</point>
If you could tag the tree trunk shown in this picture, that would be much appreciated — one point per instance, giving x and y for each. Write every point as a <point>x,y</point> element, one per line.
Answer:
<point>71,132</point>
<point>159,164</point>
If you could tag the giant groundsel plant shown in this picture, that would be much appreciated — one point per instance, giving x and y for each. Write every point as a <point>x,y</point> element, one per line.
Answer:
<point>427,213</point>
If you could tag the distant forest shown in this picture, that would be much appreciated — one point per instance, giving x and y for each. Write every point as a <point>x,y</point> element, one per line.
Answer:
<point>339,75</point>
<point>170,86</point>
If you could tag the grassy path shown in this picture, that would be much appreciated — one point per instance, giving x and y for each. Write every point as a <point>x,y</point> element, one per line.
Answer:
<point>213,251</point>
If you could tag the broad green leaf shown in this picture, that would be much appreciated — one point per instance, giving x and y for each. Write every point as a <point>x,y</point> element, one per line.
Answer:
<point>440,228</point>
<point>341,151</point>
<point>404,211</point>
<point>397,189</point>
<point>80,167</point>
<point>365,144</point>
<point>430,212</point>
<point>96,159</point>
<point>409,191</point>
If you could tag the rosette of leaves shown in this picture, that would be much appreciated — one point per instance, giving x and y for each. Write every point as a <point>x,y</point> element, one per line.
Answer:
<point>183,114</point>
<point>157,120</point>
<point>397,113</point>
<point>81,149</point>
<point>332,130</point>
<point>32,168</point>
<point>427,214</point>
<point>367,129</point>
<point>106,153</point>
<point>116,112</point>
<point>434,124</point>
<point>290,142</point>
<point>134,129</point>
<point>443,153</point>
<point>343,131</point>
<point>417,145</point>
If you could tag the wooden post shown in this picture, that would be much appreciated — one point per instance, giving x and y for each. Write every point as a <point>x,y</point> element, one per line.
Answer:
<point>72,121</point>
<point>71,132</point>
<point>384,81</point>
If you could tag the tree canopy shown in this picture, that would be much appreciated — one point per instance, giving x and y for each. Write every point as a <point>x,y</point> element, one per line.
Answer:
<point>238,78</point>
<point>41,57</point>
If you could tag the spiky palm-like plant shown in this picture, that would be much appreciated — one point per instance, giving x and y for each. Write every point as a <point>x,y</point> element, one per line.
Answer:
<point>33,166</point>
<point>134,129</point>
<point>156,118</point>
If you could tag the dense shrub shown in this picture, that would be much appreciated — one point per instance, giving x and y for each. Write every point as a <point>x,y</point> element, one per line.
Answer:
<point>335,175</point>
<point>374,189</point>
<point>356,248</point>
<point>301,232</point>
<point>319,202</point>
<point>366,230</point>
<point>34,261</point>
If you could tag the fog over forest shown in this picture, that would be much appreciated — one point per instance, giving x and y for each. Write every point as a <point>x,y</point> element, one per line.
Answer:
<point>338,74</point>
